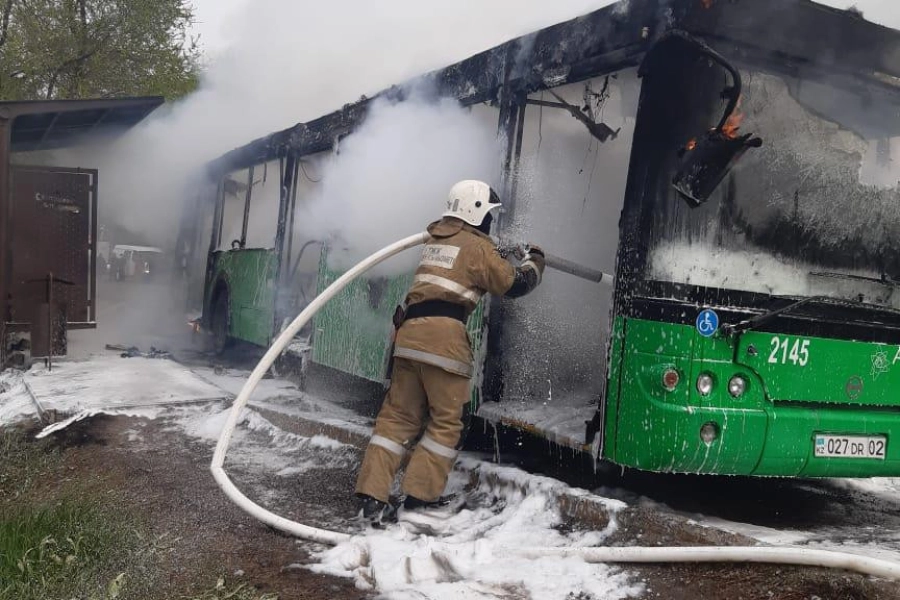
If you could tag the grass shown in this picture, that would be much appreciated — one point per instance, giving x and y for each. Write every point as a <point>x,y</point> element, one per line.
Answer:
<point>56,542</point>
<point>59,551</point>
<point>63,539</point>
<point>23,464</point>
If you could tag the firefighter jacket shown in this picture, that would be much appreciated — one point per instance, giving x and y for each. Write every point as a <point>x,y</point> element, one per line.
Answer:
<point>459,265</point>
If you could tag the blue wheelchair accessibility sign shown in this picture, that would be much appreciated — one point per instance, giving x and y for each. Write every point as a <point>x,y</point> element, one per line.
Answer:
<point>707,322</point>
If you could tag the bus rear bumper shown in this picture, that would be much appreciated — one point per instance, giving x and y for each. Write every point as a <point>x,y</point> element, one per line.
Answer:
<point>793,431</point>
<point>775,441</point>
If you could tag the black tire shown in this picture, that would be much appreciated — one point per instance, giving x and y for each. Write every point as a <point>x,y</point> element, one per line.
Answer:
<point>219,327</point>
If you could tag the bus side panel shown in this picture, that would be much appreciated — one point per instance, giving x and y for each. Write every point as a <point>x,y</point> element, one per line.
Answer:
<point>790,451</point>
<point>251,278</point>
<point>352,331</point>
<point>613,390</point>
<point>824,386</point>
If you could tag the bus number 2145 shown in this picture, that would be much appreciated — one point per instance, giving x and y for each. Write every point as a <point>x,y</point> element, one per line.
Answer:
<point>784,352</point>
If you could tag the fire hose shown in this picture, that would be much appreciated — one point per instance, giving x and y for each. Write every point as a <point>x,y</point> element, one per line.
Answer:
<point>556,263</point>
<point>567,266</point>
<point>633,554</point>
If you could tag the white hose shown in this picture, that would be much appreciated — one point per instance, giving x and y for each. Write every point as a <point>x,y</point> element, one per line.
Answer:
<point>726,554</point>
<point>297,529</point>
<point>631,554</point>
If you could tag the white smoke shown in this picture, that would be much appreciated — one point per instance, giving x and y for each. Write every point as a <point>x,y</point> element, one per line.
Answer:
<point>392,176</point>
<point>291,62</point>
<point>288,62</point>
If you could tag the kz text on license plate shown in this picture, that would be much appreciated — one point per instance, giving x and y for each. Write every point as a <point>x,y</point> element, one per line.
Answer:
<point>850,446</point>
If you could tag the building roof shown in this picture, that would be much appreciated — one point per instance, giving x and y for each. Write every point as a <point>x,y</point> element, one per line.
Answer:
<point>48,124</point>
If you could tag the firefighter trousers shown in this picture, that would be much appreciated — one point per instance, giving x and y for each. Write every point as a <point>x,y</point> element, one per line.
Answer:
<point>420,395</point>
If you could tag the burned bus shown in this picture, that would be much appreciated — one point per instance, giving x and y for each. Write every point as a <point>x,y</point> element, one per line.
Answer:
<point>729,162</point>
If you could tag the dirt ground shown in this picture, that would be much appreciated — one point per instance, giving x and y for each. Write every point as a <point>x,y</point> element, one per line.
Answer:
<point>201,535</point>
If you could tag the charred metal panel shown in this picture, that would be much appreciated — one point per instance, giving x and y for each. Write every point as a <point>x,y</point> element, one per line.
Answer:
<point>53,225</point>
<point>302,139</point>
<point>796,33</point>
<point>603,41</point>
<point>791,34</point>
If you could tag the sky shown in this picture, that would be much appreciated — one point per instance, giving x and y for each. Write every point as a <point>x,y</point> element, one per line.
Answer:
<point>216,19</point>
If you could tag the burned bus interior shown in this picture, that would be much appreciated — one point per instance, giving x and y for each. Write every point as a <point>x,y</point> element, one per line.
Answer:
<point>727,153</point>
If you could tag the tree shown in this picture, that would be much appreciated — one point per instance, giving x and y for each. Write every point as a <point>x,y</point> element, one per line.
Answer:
<point>61,49</point>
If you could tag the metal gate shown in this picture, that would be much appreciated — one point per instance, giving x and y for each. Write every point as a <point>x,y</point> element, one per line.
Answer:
<point>54,226</point>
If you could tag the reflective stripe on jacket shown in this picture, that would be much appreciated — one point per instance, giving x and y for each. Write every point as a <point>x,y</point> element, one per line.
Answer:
<point>459,264</point>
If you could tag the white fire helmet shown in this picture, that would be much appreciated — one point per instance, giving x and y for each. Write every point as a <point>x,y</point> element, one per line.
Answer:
<point>471,201</point>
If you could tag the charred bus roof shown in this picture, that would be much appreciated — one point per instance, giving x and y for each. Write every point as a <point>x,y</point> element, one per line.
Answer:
<point>796,37</point>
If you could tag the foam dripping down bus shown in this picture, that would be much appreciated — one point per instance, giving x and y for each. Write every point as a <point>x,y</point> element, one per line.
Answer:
<point>730,162</point>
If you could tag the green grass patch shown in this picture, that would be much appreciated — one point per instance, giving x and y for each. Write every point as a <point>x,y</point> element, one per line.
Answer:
<point>65,538</point>
<point>58,542</point>
<point>60,551</point>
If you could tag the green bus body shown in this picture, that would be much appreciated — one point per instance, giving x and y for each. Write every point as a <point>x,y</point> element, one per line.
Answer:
<point>352,332</point>
<point>247,278</point>
<point>797,387</point>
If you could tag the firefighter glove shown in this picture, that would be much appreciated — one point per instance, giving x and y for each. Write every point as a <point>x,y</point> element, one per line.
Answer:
<point>535,250</point>
<point>535,259</point>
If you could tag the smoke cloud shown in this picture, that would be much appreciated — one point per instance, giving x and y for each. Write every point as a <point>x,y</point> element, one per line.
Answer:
<point>392,176</point>
<point>291,62</point>
<point>288,62</point>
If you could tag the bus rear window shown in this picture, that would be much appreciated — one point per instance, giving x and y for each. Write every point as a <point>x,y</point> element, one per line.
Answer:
<point>813,212</point>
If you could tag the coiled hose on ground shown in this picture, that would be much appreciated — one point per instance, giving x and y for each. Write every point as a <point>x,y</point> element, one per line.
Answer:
<point>632,554</point>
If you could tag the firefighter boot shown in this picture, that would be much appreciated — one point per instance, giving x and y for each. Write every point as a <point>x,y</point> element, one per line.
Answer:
<point>376,512</point>
<point>413,503</point>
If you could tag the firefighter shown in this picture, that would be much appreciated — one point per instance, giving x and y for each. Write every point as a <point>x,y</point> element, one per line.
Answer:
<point>432,355</point>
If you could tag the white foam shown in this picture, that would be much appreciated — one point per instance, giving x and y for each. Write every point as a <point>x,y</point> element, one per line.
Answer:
<point>15,403</point>
<point>472,553</point>
<point>755,270</point>
<point>263,447</point>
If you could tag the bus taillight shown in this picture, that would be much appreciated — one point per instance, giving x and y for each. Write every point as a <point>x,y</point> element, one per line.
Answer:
<point>670,379</point>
